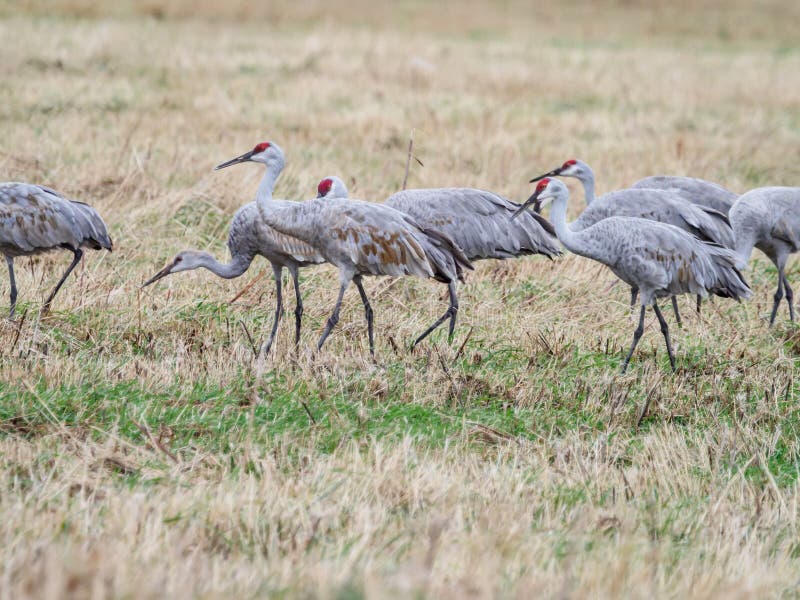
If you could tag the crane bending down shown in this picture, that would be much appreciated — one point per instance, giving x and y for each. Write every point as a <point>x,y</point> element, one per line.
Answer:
<point>653,204</point>
<point>656,258</point>
<point>477,221</point>
<point>36,219</point>
<point>696,191</point>
<point>769,219</point>
<point>248,236</point>
<point>360,238</point>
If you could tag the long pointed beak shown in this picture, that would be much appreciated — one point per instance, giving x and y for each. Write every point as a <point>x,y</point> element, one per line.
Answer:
<point>552,173</point>
<point>235,161</point>
<point>160,275</point>
<point>532,200</point>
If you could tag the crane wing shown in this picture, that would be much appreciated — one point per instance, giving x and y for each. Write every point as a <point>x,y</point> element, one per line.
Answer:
<point>478,221</point>
<point>32,218</point>
<point>697,191</point>
<point>376,239</point>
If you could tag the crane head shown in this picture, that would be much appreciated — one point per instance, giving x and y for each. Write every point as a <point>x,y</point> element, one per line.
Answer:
<point>324,187</point>
<point>265,152</point>
<point>332,187</point>
<point>546,190</point>
<point>570,168</point>
<point>183,261</point>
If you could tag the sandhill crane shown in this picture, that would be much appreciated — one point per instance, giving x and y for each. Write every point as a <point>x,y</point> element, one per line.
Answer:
<point>658,259</point>
<point>769,219</point>
<point>426,206</point>
<point>360,238</point>
<point>696,191</point>
<point>248,236</point>
<point>652,204</point>
<point>477,221</point>
<point>36,219</point>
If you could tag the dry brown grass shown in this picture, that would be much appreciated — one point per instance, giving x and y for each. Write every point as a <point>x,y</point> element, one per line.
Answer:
<point>547,480</point>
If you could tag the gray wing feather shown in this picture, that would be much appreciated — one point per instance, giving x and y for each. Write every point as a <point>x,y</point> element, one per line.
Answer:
<point>697,191</point>
<point>366,238</point>
<point>478,221</point>
<point>661,206</point>
<point>664,260</point>
<point>92,227</point>
<point>34,220</point>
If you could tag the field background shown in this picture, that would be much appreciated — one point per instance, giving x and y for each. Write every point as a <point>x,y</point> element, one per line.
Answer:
<point>143,454</point>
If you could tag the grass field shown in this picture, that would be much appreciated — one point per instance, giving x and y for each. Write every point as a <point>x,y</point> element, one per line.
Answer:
<point>144,454</point>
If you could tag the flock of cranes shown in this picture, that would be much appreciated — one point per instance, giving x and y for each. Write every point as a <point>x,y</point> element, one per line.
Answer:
<point>664,236</point>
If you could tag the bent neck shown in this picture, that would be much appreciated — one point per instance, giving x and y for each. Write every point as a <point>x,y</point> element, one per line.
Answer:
<point>744,244</point>
<point>238,265</point>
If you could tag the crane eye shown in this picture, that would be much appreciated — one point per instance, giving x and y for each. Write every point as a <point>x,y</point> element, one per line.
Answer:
<point>178,259</point>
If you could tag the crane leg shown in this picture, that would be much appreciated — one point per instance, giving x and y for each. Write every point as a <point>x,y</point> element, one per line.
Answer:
<point>634,294</point>
<point>13,281</point>
<point>450,313</point>
<point>298,311</point>
<point>789,297</point>
<point>75,260</point>
<point>367,314</point>
<point>637,335</point>
<point>675,310</point>
<point>278,272</point>
<point>777,298</point>
<point>451,289</point>
<point>665,331</point>
<point>334,318</point>
<point>699,303</point>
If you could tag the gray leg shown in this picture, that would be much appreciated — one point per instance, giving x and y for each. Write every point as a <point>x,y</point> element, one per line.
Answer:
<point>777,298</point>
<point>75,260</point>
<point>699,303</point>
<point>368,314</point>
<point>675,310</point>
<point>298,311</point>
<point>10,263</point>
<point>789,297</point>
<point>637,335</point>
<point>665,331</point>
<point>450,313</point>
<point>634,293</point>
<point>334,318</point>
<point>278,272</point>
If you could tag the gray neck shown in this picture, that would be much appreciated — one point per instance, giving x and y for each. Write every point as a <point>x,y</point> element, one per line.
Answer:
<point>238,265</point>
<point>558,217</point>
<point>588,187</point>
<point>745,241</point>
<point>264,194</point>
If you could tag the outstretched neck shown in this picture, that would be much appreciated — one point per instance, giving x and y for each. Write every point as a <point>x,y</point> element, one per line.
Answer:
<point>238,265</point>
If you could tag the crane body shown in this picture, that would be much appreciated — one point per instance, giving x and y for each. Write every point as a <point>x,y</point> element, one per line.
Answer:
<point>248,237</point>
<point>768,218</point>
<point>360,238</point>
<point>36,219</point>
<point>657,259</point>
